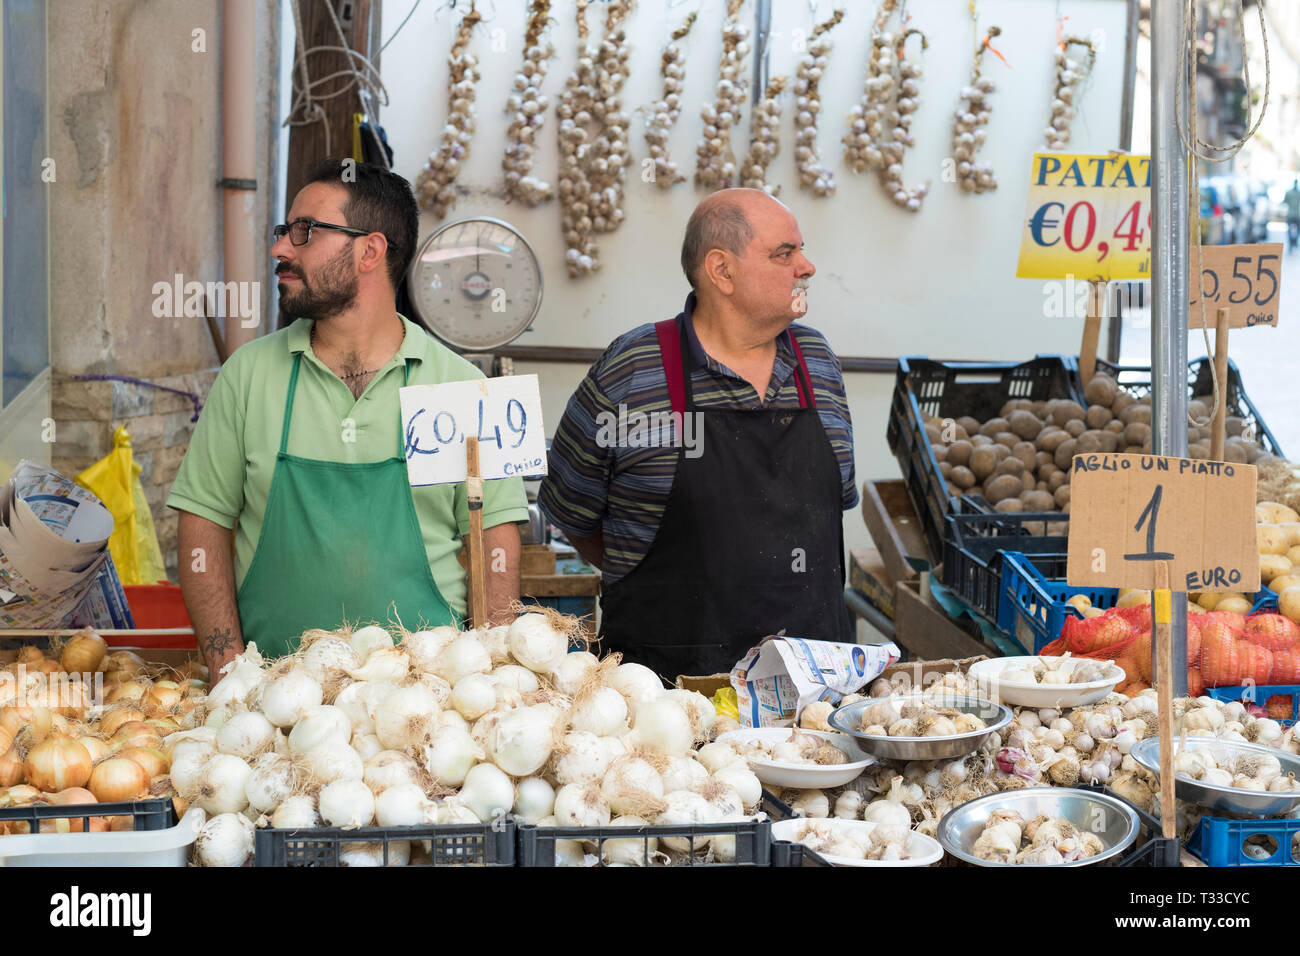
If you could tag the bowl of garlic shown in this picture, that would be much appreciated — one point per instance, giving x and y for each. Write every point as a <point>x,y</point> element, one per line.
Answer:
<point>793,757</point>
<point>924,726</point>
<point>1055,682</point>
<point>1228,775</point>
<point>861,843</point>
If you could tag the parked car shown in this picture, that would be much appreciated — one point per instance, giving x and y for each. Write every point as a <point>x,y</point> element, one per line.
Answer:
<point>1226,207</point>
<point>1261,209</point>
<point>1211,217</point>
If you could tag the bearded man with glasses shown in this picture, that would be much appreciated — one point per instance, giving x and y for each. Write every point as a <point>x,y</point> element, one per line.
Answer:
<point>295,508</point>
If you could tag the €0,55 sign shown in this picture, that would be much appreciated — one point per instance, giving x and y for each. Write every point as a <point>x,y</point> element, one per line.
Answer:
<point>1130,512</point>
<point>1088,217</point>
<point>504,414</point>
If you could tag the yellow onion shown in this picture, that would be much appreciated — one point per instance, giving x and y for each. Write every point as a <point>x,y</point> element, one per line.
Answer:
<point>153,762</point>
<point>79,699</point>
<point>57,763</point>
<point>19,796</point>
<point>84,652</point>
<point>11,767</point>
<point>115,717</point>
<point>45,666</point>
<point>162,696</point>
<point>97,747</point>
<point>117,780</point>
<point>128,690</point>
<point>163,725</point>
<point>29,655</point>
<point>123,664</point>
<point>76,796</point>
<point>135,733</point>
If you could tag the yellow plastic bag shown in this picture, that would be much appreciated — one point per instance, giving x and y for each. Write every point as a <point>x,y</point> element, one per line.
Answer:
<point>725,703</point>
<point>115,479</point>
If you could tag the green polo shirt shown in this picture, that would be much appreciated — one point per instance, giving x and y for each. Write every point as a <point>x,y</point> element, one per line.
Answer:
<point>226,474</point>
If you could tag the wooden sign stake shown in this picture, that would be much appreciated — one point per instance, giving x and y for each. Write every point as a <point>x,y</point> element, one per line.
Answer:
<point>1091,332</point>
<point>1161,610</point>
<point>1218,435</point>
<point>474,495</point>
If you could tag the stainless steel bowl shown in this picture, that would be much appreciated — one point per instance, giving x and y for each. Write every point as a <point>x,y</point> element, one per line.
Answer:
<point>1260,803</point>
<point>848,720</point>
<point>1114,821</point>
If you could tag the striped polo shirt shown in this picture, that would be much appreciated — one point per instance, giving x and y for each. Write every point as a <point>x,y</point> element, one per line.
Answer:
<point>594,484</point>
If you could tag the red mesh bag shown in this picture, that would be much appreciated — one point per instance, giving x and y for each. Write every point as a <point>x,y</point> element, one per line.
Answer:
<point>1221,662</point>
<point>1106,637</point>
<point>1286,668</point>
<point>1273,631</point>
<point>1256,663</point>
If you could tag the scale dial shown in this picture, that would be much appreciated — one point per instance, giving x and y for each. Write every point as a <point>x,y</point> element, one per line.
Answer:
<point>476,283</point>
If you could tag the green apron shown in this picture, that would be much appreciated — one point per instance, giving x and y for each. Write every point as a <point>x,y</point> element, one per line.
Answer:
<point>339,541</point>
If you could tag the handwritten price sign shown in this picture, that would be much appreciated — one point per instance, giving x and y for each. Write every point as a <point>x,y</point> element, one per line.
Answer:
<point>1128,512</point>
<point>1242,279</point>
<point>504,414</point>
<point>1088,217</point>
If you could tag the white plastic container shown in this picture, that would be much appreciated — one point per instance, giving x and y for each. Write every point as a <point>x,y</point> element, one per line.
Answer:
<point>925,851</point>
<point>775,773</point>
<point>987,674</point>
<point>139,848</point>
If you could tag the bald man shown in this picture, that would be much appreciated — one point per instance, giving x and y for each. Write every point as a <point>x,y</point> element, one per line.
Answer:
<point>704,462</point>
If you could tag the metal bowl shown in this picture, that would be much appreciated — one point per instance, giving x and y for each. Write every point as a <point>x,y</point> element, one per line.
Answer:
<point>848,719</point>
<point>805,776</point>
<point>1113,820</point>
<point>1261,803</point>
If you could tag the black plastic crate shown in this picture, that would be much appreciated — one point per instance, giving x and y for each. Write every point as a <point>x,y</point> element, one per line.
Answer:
<point>1136,380</point>
<point>485,844</point>
<point>753,842</point>
<point>156,813</point>
<point>796,854</point>
<point>972,553</point>
<point>926,388</point>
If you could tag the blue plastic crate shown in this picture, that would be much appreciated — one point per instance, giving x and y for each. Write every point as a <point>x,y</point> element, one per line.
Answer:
<point>1259,694</point>
<point>1218,841</point>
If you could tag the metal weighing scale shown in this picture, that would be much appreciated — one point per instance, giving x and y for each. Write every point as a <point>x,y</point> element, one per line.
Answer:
<point>477,285</point>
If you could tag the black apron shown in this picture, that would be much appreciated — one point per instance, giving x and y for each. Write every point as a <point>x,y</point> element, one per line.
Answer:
<point>751,541</point>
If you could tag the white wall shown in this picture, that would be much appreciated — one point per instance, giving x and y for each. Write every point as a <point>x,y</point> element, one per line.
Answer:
<point>889,283</point>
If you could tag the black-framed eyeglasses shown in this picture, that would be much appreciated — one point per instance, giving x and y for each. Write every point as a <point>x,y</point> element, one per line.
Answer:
<point>299,231</point>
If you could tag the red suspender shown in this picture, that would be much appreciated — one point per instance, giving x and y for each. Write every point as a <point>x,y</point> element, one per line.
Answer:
<point>670,351</point>
<point>807,400</point>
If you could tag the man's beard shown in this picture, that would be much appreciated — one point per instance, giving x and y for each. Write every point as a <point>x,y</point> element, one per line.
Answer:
<point>333,289</point>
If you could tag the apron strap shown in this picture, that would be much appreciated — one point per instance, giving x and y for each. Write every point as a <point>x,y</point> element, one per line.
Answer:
<point>670,353</point>
<point>288,403</point>
<point>801,381</point>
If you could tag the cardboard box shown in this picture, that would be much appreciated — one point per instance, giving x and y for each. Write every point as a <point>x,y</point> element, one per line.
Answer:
<point>923,630</point>
<point>869,577</point>
<point>895,528</point>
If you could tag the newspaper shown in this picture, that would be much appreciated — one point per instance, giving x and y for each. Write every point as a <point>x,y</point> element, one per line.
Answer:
<point>782,675</point>
<point>55,569</point>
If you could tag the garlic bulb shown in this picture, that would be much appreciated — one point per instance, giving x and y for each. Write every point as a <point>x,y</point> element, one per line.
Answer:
<point>968,132</point>
<point>715,164</point>
<point>812,174</point>
<point>664,112</point>
<point>764,139</point>
<point>433,186</point>
<point>527,108</point>
<point>1069,74</point>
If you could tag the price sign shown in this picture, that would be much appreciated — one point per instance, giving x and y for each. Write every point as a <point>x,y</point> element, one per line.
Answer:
<point>505,414</point>
<point>1088,217</point>
<point>1242,279</point>
<point>1128,512</point>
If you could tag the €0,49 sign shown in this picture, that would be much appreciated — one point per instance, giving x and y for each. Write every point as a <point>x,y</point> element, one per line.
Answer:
<point>505,414</point>
<point>1089,217</point>
<point>1130,512</point>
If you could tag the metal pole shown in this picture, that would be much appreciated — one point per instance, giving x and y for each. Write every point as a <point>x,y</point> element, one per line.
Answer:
<point>762,33</point>
<point>1116,312</point>
<point>1169,269</point>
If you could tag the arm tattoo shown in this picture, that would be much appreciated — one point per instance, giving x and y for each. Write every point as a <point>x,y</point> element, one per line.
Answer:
<point>218,642</point>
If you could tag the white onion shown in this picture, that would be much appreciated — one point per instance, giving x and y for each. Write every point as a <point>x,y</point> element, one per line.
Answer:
<point>741,779</point>
<point>698,708</point>
<point>332,760</point>
<point>383,664</point>
<point>366,745</point>
<point>404,805</point>
<point>296,813</point>
<point>451,755</point>
<point>217,716</point>
<point>347,803</point>
<point>717,755</point>
<point>439,688</point>
<point>388,768</point>
<point>369,639</point>
<point>572,671</point>
<point>453,811</point>
<point>522,740</point>
<point>449,718</point>
<point>462,657</point>
<point>473,696</point>
<point>661,726</point>
<point>584,759</point>
<point>487,792</point>
<point>225,840</point>
<point>372,854</point>
<point>270,782</point>
<point>636,683</point>
<point>516,677</point>
<point>319,725</point>
<point>329,659</point>
<point>534,800</point>
<point>683,773</point>
<point>221,785</point>
<point>405,716</point>
<point>494,641</point>
<point>241,675</point>
<point>187,765</point>
<point>354,700</point>
<point>628,783</point>
<point>286,700</point>
<point>631,852</point>
<point>535,644</point>
<point>577,806</point>
<point>685,808</point>
<point>423,647</point>
<point>603,713</point>
<point>199,737</point>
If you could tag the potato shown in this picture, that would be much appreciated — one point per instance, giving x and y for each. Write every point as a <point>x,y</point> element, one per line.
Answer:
<point>1270,512</point>
<point>1137,433</point>
<point>1198,410</point>
<point>1280,584</point>
<point>1025,424</point>
<point>1016,405</point>
<point>962,477</point>
<point>1089,443</point>
<point>982,461</point>
<point>1027,481</point>
<point>1208,600</point>
<point>1065,452</point>
<point>1044,458</point>
<point>1234,605</point>
<point>1098,416</point>
<point>1134,599</point>
<point>1010,439</point>
<point>1038,501</point>
<point>1272,539</point>
<point>1292,529</point>
<point>935,436</point>
<point>1050,439</point>
<point>1009,506</point>
<point>1003,486</point>
<point>1101,390</point>
<point>1109,441</point>
<point>1056,480</point>
<point>994,425</point>
<point>1122,401</point>
<point>1001,450</point>
<point>1234,425</point>
<point>1039,408</point>
<point>1080,602</point>
<point>959,452</point>
<point>1136,412</point>
<point>1288,602</point>
<point>1042,486</point>
<point>1115,425</point>
<point>1076,427</point>
<point>1275,565</point>
<point>945,469</point>
<point>977,440</point>
<point>1062,496</point>
<point>1093,612</point>
<point>1067,410</point>
<point>1236,453</point>
<point>1046,470</point>
<point>940,452</point>
<point>1010,466</point>
<point>969,425</point>
<point>1137,450</point>
<point>1199,450</point>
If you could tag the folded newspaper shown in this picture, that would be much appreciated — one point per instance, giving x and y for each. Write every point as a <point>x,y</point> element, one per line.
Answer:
<point>782,675</point>
<point>55,569</point>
